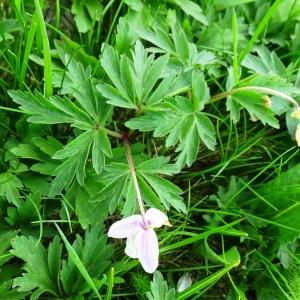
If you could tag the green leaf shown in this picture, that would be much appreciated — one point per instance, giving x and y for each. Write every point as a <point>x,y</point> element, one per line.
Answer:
<point>26,212</point>
<point>37,105</point>
<point>267,62</point>
<point>225,195</point>
<point>38,274</point>
<point>75,50</point>
<point>64,175</point>
<point>48,146</point>
<point>111,64</point>
<point>101,148</point>
<point>167,192</point>
<point>136,80</point>
<point>8,26</point>
<point>181,44</point>
<point>7,293</point>
<point>130,205</point>
<point>91,253</point>
<point>230,3</point>
<point>182,125</point>
<point>125,36</point>
<point>6,237</point>
<point>160,289</point>
<point>206,130</point>
<point>50,111</point>
<point>234,108</point>
<point>283,193</point>
<point>192,9</point>
<point>88,212</point>
<point>149,196</point>
<point>254,103</point>
<point>9,186</point>
<point>80,86</point>
<point>159,38</point>
<point>157,165</point>
<point>190,146</point>
<point>110,196</point>
<point>28,151</point>
<point>76,154</point>
<point>115,97</point>
<point>86,13</point>
<point>74,146</point>
<point>200,90</point>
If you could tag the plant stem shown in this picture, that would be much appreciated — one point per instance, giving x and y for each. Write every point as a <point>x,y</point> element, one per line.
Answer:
<point>134,178</point>
<point>113,133</point>
<point>258,89</point>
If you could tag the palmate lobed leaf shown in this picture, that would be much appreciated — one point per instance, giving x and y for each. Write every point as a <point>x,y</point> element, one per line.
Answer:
<point>9,293</point>
<point>78,81</point>
<point>135,81</point>
<point>76,154</point>
<point>89,113</point>
<point>46,272</point>
<point>88,212</point>
<point>50,111</point>
<point>160,289</point>
<point>6,237</point>
<point>94,253</point>
<point>192,9</point>
<point>182,125</point>
<point>37,274</point>
<point>184,55</point>
<point>156,191</point>
<point>26,212</point>
<point>254,103</point>
<point>266,62</point>
<point>9,187</point>
<point>86,13</point>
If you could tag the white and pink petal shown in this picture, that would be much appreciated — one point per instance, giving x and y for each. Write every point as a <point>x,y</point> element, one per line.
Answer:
<point>156,218</point>
<point>126,227</point>
<point>147,250</point>
<point>131,247</point>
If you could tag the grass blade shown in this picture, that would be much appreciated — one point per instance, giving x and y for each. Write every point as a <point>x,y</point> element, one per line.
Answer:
<point>259,30</point>
<point>235,34</point>
<point>110,283</point>
<point>29,42</point>
<point>208,281</point>
<point>46,49</point>
<point>76,260</point>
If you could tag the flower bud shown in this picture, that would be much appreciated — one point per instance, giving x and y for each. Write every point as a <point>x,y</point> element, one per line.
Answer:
<point>184,282</point>
<point>296,113</point>
<point>297,135</point>
<point>267,101</point>
<point>253,118</point>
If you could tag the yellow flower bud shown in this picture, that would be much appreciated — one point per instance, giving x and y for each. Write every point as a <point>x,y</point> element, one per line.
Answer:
<point>296,113</point>
<point>297,135</point>
<point>253,118</point>
<point>267,101</point>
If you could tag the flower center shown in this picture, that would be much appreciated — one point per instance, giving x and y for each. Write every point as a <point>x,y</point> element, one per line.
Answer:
<point>147,225</point>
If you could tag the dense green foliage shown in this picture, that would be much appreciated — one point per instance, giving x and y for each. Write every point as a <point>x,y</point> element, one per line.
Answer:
<point>205,93</point>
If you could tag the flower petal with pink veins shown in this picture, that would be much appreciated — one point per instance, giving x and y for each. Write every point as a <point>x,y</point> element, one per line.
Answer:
<point>126,227</point>
<point>147,250</point>
<point>156,218</point>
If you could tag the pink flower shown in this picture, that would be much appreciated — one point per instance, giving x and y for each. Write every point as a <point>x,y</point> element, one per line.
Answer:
<point>141,241</point>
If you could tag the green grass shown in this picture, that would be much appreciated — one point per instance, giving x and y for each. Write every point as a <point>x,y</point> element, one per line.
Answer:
<point>234,211</point>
